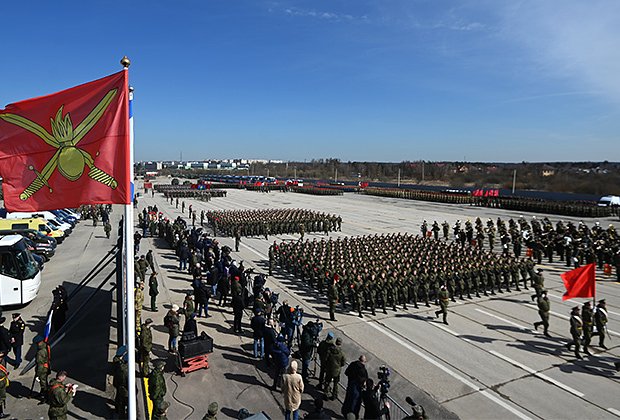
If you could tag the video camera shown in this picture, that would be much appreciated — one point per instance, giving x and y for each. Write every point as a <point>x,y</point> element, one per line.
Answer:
<point>314,329</point>
<point>384,382</point>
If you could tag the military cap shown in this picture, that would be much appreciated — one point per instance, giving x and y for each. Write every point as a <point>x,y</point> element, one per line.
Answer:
<point>600,302</point>
<point>213,408</point>
<point>575,309</point>
<point>148,321</point>
<point>16,315</point>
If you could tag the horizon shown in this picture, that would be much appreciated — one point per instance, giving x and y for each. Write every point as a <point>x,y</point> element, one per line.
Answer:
<point>475,80</point>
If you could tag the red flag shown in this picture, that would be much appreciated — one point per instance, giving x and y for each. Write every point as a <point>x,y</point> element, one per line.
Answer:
<point>68,148</point>
<point>579,282</point>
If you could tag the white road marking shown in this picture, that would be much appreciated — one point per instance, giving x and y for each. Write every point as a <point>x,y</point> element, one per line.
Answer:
<point>450,372</point>
<point>576,301</point>
<point>264,257</point>
<point>514,324</point>
<point>614,411</point>
<point>537,374</point>
<point>448,330</point>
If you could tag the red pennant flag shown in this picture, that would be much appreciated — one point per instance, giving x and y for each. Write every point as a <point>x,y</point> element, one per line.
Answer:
<point>579,282</point>
<point>68,148</point>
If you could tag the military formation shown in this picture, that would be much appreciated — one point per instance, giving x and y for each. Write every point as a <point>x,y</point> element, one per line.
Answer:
<point>272,222</point>
<point>186,191</point>
<point>535,205</point>
<point>389,270</point>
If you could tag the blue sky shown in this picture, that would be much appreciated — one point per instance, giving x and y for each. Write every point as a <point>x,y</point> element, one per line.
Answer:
<point>380,80</point>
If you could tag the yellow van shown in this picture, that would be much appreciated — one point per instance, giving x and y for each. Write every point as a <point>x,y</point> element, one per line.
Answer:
<point>35,223</point>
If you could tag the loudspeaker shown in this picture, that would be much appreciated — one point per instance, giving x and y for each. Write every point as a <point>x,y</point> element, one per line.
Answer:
<point>197,347</point>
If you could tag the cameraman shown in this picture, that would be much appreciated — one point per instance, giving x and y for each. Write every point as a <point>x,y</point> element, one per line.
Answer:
<point>372,401</point>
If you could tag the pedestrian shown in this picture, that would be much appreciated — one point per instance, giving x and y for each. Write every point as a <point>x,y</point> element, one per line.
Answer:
<point>42,367</point>
<point>171,322</point>
<point>120,375</point>
<point>292,388</point>
<point>4,384</point>
<point>191,326</point>
<point>16,329</point>
<point>335,360</point>
<point>357,375</point>
<point>306,348</point>
<point>576,328</point>
<point>157,383</point>
<point>237,239</point>
<point>202,291</point>
<point>600,319</point>
<point>543,310</point>
<point>59,396</point>
<point>146,346</point>
<point>444,300</point>
<point>153,290</point>
<point>280,353</point>
<point>211,412</point>
<point>257,323</point>
<point>322,352</point>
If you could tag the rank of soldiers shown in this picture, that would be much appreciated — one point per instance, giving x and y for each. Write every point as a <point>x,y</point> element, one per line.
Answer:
<point>272,222</point>
<point>382,271</point>
<point>185,191</point>
<point>568,208</point>
<point>316,190</point>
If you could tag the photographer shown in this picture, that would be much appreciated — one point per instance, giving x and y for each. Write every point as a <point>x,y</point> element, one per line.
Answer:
<point>307,342</point>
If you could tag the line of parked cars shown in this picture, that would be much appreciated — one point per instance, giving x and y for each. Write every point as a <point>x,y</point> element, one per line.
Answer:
<point>42,230</point>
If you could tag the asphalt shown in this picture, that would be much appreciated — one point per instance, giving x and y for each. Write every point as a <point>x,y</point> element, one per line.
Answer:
<point>487,364</point>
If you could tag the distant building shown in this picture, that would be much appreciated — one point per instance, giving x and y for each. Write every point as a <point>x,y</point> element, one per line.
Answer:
<point>548,171</point>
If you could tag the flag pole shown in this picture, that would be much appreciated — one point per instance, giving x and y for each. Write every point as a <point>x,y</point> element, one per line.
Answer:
<point>130,317</point>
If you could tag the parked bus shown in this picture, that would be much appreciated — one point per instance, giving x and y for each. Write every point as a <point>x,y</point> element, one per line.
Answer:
<point>20,277</point>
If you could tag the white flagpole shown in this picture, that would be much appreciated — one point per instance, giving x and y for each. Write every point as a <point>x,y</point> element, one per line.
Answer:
<point>130,330</point>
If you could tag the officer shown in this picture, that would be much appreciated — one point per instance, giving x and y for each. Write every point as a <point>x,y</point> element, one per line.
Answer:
<point>59,396</point>
<point>444,300</point>
<point>157,383</point>
<point>543,310</point>
<point>16,329</point>
<point>332,298</point>
<point>237,239</point>
<point>587,316</point>
<point>146,346</point>
<point>334,361</point>
<point>576,329</point>
<point>153,290</point>
<point>600,319</point>
<point>119,381</point>
<point>42,369</point>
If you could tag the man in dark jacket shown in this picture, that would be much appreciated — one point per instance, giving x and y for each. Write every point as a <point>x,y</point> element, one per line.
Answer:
<point>322,352</point>
<point>334,363</point>
<point>306,347</point>
<point>202,290</point>
<point>258,331</point>
<point>356,379</point>
<point>5,342</point>
<point>237,304</point>
<point>16,329</point>
<point>270,340</point>
<point>280,355</point>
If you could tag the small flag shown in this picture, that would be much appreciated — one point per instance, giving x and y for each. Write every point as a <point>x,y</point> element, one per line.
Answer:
<point>579,282</point>
<point>68,148</point>
<point>48,326</point>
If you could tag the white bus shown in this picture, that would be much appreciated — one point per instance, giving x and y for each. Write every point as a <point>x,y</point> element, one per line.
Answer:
<point>20,277</point>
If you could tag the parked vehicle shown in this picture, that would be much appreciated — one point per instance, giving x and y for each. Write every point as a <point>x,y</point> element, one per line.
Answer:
<point>33,223</point>
<point>43,245</point>
<point>20,276</point>
<point>609,200</point>
<point>47,215</point>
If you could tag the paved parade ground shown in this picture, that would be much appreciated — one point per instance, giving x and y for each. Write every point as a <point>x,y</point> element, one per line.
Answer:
<point>488,363</point>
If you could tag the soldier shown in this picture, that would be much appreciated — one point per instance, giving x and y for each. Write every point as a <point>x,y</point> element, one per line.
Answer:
<point>600,318</point>
<point>237,238</point>
<point>334,361</point>
<point>332,297</point>
<point>4,383</point>
<point>576,328</point>
<point>157,383</point>
<point>587,317</point>
<point>538,283</point>
<point>302,231</point>
<point>142,268</point>
<point>139,302</point>
<point>444,300</point>
<point>146,346</point>
<point>59,396</point>
<point>183,207</point>
<point>119,381</point>
<point>322,353</point>
<point>16,329</point>
<point>42,369</point>
<point>543,310</point>
<point>153,290</point>
<point>150,260</point>
<point>107,228</point>
<point>211,412</point>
